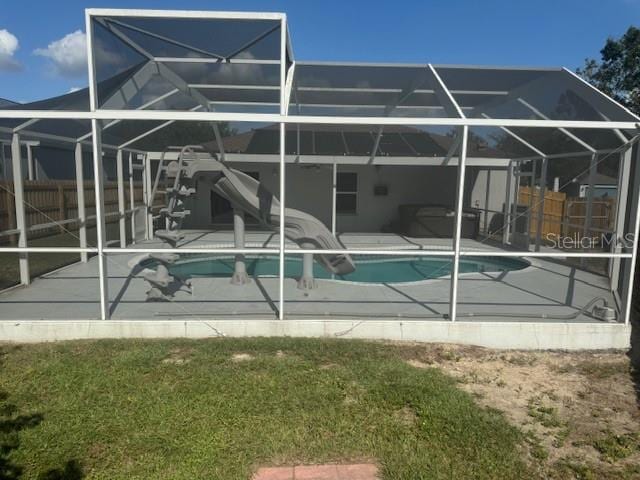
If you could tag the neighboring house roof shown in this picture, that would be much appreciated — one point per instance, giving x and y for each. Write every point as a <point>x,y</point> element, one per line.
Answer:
<point>7,103</point>
<point>347,140</point>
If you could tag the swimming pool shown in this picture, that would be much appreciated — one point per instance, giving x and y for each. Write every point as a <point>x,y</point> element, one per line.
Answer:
<point>369,269</point>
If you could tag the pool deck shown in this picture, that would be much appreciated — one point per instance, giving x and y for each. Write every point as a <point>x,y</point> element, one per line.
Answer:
<point>64,305</point>
<point>540,292</point>
<point>362,241</point>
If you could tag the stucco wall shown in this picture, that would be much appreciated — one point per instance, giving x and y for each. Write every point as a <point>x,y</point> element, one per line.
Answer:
<point>309,190</point>
<point>477,181</point>
<point>405,184</point>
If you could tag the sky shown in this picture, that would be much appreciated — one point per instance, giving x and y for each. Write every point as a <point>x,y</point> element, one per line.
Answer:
<point>43,53</point>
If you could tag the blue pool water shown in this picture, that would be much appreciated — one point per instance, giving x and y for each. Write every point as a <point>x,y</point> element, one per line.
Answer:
<point>369,269</point>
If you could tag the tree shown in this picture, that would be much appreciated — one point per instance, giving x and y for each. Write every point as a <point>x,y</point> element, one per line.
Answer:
<point>618,72</point>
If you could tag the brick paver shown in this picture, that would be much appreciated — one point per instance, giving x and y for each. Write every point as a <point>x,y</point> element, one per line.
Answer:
<point>360,471</point>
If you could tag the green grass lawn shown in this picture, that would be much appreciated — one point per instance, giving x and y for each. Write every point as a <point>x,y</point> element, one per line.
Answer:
<point>187,409</point>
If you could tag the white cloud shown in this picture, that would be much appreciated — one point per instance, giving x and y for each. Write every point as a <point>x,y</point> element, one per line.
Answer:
<point>8,46</point>
<point>68,54</point>
<point>73,89</point>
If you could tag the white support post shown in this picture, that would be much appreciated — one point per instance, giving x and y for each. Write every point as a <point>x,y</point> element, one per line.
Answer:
<point>283,205</point>
<point>282,220</point>
<point>334,187</point>
<point>593,169</point>
<point>636,230</point>
<point>532,186</point>
<point>624,175</point>
<point>487,198</point>
<point>121,209</point>
<point>82,210</point>
<point>541,200</point>
<point>239,276</point>
<point>30,166</point>
<point>3,158</point>
<point>307,280</point>
<point>146,186</point>
<point>506,224</point>
<point>515,202</point>
<point>98,175</point>
<point>144,196</point>
<point>132,199</point>
<point>21,220</point>
<point>458,225</point>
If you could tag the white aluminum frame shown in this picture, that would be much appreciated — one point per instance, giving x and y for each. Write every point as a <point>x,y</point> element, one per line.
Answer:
<point>132,201</point>
<point>283,111</point>
<point>121,208</point>
<point>457,234</point>
<point>82,211</point>
<point>21,222</point>
<point>634,257</point>
<point>283,118</point>
<point>210,116</point>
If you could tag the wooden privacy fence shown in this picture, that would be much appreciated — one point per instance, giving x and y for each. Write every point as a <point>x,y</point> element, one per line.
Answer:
<point>566,216</point>
<point>602,215</point>
<point>57,200</point>
<point>552,214</point>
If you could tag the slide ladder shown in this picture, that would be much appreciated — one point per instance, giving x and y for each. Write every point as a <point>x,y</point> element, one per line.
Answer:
<point>163,285</point>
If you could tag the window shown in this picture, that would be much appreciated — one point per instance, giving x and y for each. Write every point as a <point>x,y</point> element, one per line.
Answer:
<point>347,193</point>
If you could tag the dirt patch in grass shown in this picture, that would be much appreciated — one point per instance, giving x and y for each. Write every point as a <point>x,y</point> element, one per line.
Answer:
<point>178,356</point>
<point>327,366</point>
<point>241,357</point>
<point>406,416</point>
<point>578,411</point>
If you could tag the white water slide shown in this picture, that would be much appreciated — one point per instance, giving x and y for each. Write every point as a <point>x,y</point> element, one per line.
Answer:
<point>249,195</point>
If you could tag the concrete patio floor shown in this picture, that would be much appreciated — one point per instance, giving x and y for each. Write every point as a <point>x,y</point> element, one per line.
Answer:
<point>546,287</point>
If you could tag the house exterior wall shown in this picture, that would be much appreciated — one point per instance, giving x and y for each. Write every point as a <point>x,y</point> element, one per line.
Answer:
<point>200,206</point>
<point>406,185</point>
<point>478,181</point>
<point>309,189</point>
